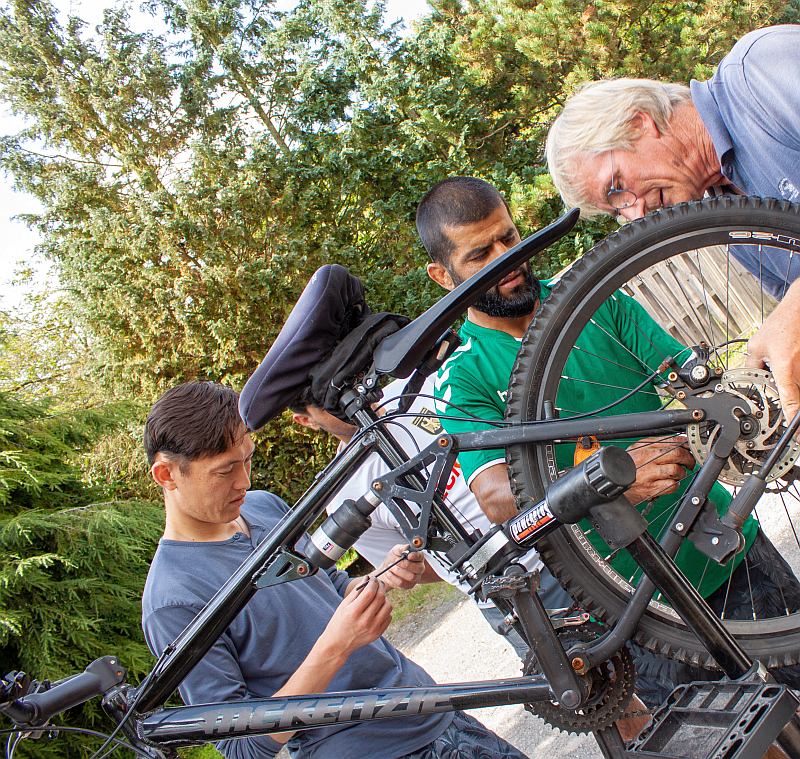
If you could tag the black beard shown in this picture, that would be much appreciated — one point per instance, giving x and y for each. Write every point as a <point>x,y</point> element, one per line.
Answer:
<point>521,303</point>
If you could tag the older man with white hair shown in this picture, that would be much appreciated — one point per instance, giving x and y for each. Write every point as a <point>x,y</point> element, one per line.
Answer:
<point>629,146</point>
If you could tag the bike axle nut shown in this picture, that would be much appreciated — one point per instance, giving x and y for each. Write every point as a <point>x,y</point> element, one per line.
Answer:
<point>578,664</point>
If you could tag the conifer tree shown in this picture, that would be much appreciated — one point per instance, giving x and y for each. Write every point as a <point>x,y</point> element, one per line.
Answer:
<point>72,565</point>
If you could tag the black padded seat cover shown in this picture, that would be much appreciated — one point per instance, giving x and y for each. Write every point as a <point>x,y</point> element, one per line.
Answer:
<point>329,308</point>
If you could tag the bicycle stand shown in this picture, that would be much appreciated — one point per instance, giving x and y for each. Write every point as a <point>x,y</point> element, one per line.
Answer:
<point>729,719</point>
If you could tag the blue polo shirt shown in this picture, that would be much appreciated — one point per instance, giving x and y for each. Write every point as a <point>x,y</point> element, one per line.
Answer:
<point>751,108</point>
<point>269,639</point>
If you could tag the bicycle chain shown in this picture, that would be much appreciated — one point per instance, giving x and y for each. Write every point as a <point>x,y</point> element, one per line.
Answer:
<point>615,688</point>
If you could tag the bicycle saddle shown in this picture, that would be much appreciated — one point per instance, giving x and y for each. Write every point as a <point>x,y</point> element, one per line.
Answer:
<point>332,306</point>
<point>329,308</point>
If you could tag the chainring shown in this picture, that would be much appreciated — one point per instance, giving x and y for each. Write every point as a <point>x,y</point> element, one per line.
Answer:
<point>612,686</point>
<point>765,420</point>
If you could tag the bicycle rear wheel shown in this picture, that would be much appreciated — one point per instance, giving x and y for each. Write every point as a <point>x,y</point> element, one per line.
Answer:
<point>680,265</point>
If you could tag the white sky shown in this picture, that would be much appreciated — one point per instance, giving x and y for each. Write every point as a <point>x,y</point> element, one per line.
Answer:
<point>16,249</point>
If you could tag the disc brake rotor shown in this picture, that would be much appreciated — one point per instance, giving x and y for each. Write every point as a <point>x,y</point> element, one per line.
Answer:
<point>762,427</point>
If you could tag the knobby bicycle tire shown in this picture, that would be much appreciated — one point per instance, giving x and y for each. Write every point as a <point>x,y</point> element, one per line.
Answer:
<point>663,245</point>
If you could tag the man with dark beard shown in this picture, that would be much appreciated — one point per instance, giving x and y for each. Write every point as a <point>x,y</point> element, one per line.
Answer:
<point>465,224</point>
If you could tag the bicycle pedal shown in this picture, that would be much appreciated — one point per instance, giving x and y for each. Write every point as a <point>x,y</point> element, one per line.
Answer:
<point>507,586</point>
<point>736,719</point>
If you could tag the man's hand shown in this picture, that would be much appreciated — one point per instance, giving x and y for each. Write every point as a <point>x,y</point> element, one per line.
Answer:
<point>776,346</point>
<point>406,574</point>
<point>362,616</point>
<point>661,464</point>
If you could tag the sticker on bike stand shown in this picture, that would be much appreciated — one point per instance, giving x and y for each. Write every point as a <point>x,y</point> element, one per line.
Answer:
<point>530,521</point>
<point>783,241</point>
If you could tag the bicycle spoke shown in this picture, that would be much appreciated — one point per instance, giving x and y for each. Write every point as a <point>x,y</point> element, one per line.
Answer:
<point>698,294</point>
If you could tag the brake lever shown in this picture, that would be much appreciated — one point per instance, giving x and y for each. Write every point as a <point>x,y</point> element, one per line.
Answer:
<point>13,686</point>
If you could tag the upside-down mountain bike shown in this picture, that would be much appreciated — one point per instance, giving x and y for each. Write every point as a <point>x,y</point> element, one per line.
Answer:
<point>680,263</point>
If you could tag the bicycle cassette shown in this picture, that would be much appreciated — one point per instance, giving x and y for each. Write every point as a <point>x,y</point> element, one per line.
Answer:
<point>761,427</point>
<point>612,686</point>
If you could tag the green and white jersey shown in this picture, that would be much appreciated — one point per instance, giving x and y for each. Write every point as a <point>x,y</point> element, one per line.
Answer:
<point>617,350</point>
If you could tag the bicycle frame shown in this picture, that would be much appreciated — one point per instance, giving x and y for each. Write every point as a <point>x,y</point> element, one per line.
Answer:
<point>180,725</point>
<point>273,561</point>
<point>204,630</point>
<point>237,719</point>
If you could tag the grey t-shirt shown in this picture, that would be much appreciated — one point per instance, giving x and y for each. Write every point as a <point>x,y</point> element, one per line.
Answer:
<point>750,108</point>
<point>270,638</point>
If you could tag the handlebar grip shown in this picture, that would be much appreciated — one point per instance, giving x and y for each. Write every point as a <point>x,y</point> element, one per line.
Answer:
<point>96,679</point>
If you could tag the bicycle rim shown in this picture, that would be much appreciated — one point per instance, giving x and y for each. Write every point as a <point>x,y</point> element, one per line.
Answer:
<point>680,264</point>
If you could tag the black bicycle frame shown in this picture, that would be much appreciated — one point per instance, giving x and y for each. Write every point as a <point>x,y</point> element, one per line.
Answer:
<point>177,726</point>
<point>237,719</point>
<point>208,625</point>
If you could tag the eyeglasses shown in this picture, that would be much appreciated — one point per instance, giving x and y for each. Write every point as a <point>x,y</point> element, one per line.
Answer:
<point>618,198</point>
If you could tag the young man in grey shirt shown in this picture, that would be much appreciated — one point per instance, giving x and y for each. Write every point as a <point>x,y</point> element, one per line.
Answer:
<point>314,635</point>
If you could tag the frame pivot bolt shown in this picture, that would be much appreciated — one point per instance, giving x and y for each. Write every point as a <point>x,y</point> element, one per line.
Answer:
<point>697,415</point>
<point>377,486</point>
<point>680,395</point>
<point>417,542</point>
<point>442,442</point>
<point>302,569</point>
<point>578,664</point>
<point>672,376</point>
<point>570,699</point>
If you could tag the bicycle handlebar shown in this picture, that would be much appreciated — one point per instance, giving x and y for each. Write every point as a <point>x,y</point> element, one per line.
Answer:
<point>36,709</point>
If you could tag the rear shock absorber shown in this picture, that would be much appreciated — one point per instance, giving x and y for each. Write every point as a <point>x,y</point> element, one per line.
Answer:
<point>340,531</point>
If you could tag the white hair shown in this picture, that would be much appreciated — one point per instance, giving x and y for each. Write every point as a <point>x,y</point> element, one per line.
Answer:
<point>598,117</point>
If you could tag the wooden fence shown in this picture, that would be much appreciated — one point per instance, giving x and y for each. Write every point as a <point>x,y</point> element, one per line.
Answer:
<point>702,295</point>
